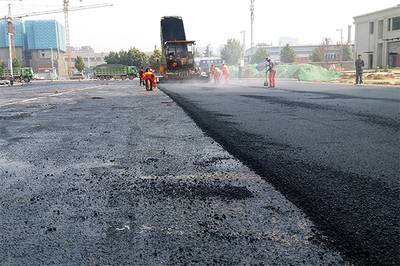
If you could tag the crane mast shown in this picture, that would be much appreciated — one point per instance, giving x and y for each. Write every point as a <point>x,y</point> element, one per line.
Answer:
<point>11,31</point>
<point>67,37</point>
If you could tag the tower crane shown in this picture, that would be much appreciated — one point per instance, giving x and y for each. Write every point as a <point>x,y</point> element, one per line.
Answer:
<point>65,9</point>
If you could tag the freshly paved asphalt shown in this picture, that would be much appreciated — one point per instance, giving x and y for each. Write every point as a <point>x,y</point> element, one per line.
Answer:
<point>331,149</point>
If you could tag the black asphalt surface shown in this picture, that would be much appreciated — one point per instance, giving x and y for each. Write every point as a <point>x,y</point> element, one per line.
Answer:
<point>331,149</point>
<point>106,173</point>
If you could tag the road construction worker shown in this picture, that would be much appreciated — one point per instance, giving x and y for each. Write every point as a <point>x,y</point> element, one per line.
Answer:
<point>218,74</point>
<point>214,73</point>
<point>225,71</point>
<point>149,77</point>
<point>272,71</point>
<point>141,71</point>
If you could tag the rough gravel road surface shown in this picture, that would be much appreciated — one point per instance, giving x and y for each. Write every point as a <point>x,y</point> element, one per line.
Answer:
<point>98,173</point>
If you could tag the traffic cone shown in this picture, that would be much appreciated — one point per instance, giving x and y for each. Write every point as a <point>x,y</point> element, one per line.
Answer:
<point>79,79</point>
<point>23,82</point>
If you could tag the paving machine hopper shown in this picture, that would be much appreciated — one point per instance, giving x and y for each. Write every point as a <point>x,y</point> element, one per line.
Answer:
<point>177,62</point>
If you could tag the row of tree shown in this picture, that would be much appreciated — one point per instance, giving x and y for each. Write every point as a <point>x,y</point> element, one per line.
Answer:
<point>231,52</point>
<point>133,57</point>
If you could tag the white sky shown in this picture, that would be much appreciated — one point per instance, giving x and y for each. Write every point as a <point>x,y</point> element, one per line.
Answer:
<point>133,23</point>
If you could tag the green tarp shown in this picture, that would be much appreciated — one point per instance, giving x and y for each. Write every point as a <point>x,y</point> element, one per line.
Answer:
<point>302,72</point>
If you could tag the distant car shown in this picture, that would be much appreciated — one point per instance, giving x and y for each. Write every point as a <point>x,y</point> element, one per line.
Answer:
<point>77,76</point>
<point>4,82</point>
<point>35,77</point>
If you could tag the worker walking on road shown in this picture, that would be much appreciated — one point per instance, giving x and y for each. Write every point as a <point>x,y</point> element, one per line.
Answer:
<point>225,71</point>
<point>272,71</point>
<point>141,71</point>
<point>359,69</point>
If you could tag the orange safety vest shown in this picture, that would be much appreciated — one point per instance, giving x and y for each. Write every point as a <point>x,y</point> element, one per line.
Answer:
<point>213,70</point>
<point>147,75</point>
<point>225,69</point>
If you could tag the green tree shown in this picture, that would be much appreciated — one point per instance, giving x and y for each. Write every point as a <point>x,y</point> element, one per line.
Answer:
<point>124,58</point>
<point>112,58</point>
<point>16,63</point>
<point>315,55</point>
<point>133,57</point>
<point>232,52</point>
<point>79,64</point>
<point>259,56</point>
<point>155,58</point>
<point>137,57</point>
<point>319,54</point>
<point>347,53</point>
<point>287,54</point>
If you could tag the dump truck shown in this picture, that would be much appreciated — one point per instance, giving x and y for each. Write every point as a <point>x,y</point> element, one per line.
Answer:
<point>177,61</point>
<point>19,74</point>
<point>116,71</point>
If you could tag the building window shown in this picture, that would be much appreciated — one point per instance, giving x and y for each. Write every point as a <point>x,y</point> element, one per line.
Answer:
<point>389,23</point>
<point>371,27</point>
<point>396,23</point>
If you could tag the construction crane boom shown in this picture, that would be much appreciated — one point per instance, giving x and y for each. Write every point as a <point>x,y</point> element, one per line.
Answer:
<point>10,25</point>
<point>58,11</point>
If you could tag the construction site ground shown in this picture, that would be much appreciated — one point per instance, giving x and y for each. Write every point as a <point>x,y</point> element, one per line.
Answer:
<point>371,77</point>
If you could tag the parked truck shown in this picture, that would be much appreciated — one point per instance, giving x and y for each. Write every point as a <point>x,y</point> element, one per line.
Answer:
<point>177,62</point>
<point>19,74</point>
<point>116,71</point>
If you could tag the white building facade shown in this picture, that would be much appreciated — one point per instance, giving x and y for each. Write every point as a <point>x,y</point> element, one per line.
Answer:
<point>377,38</point>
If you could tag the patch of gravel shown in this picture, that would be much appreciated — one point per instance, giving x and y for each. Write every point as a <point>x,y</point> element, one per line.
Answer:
<point>115,175</point>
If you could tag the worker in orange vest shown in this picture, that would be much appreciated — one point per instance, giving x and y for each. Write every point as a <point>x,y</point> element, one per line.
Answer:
<point>214,73</point>
<point>225,72</point>
<point>218,75</point>
<point>148,76</point>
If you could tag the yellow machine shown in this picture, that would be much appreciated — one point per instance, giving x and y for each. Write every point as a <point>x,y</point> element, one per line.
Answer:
<point>177,62</point>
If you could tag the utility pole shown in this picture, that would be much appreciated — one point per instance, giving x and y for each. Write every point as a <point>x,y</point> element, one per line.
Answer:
<point>244,40</point>
<point>52,63</point>
<point>209,59</point>
<point>252,24</point>
<point>341,44</point>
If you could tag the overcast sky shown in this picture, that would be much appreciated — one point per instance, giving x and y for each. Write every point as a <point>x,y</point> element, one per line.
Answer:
<point>133,23</point>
